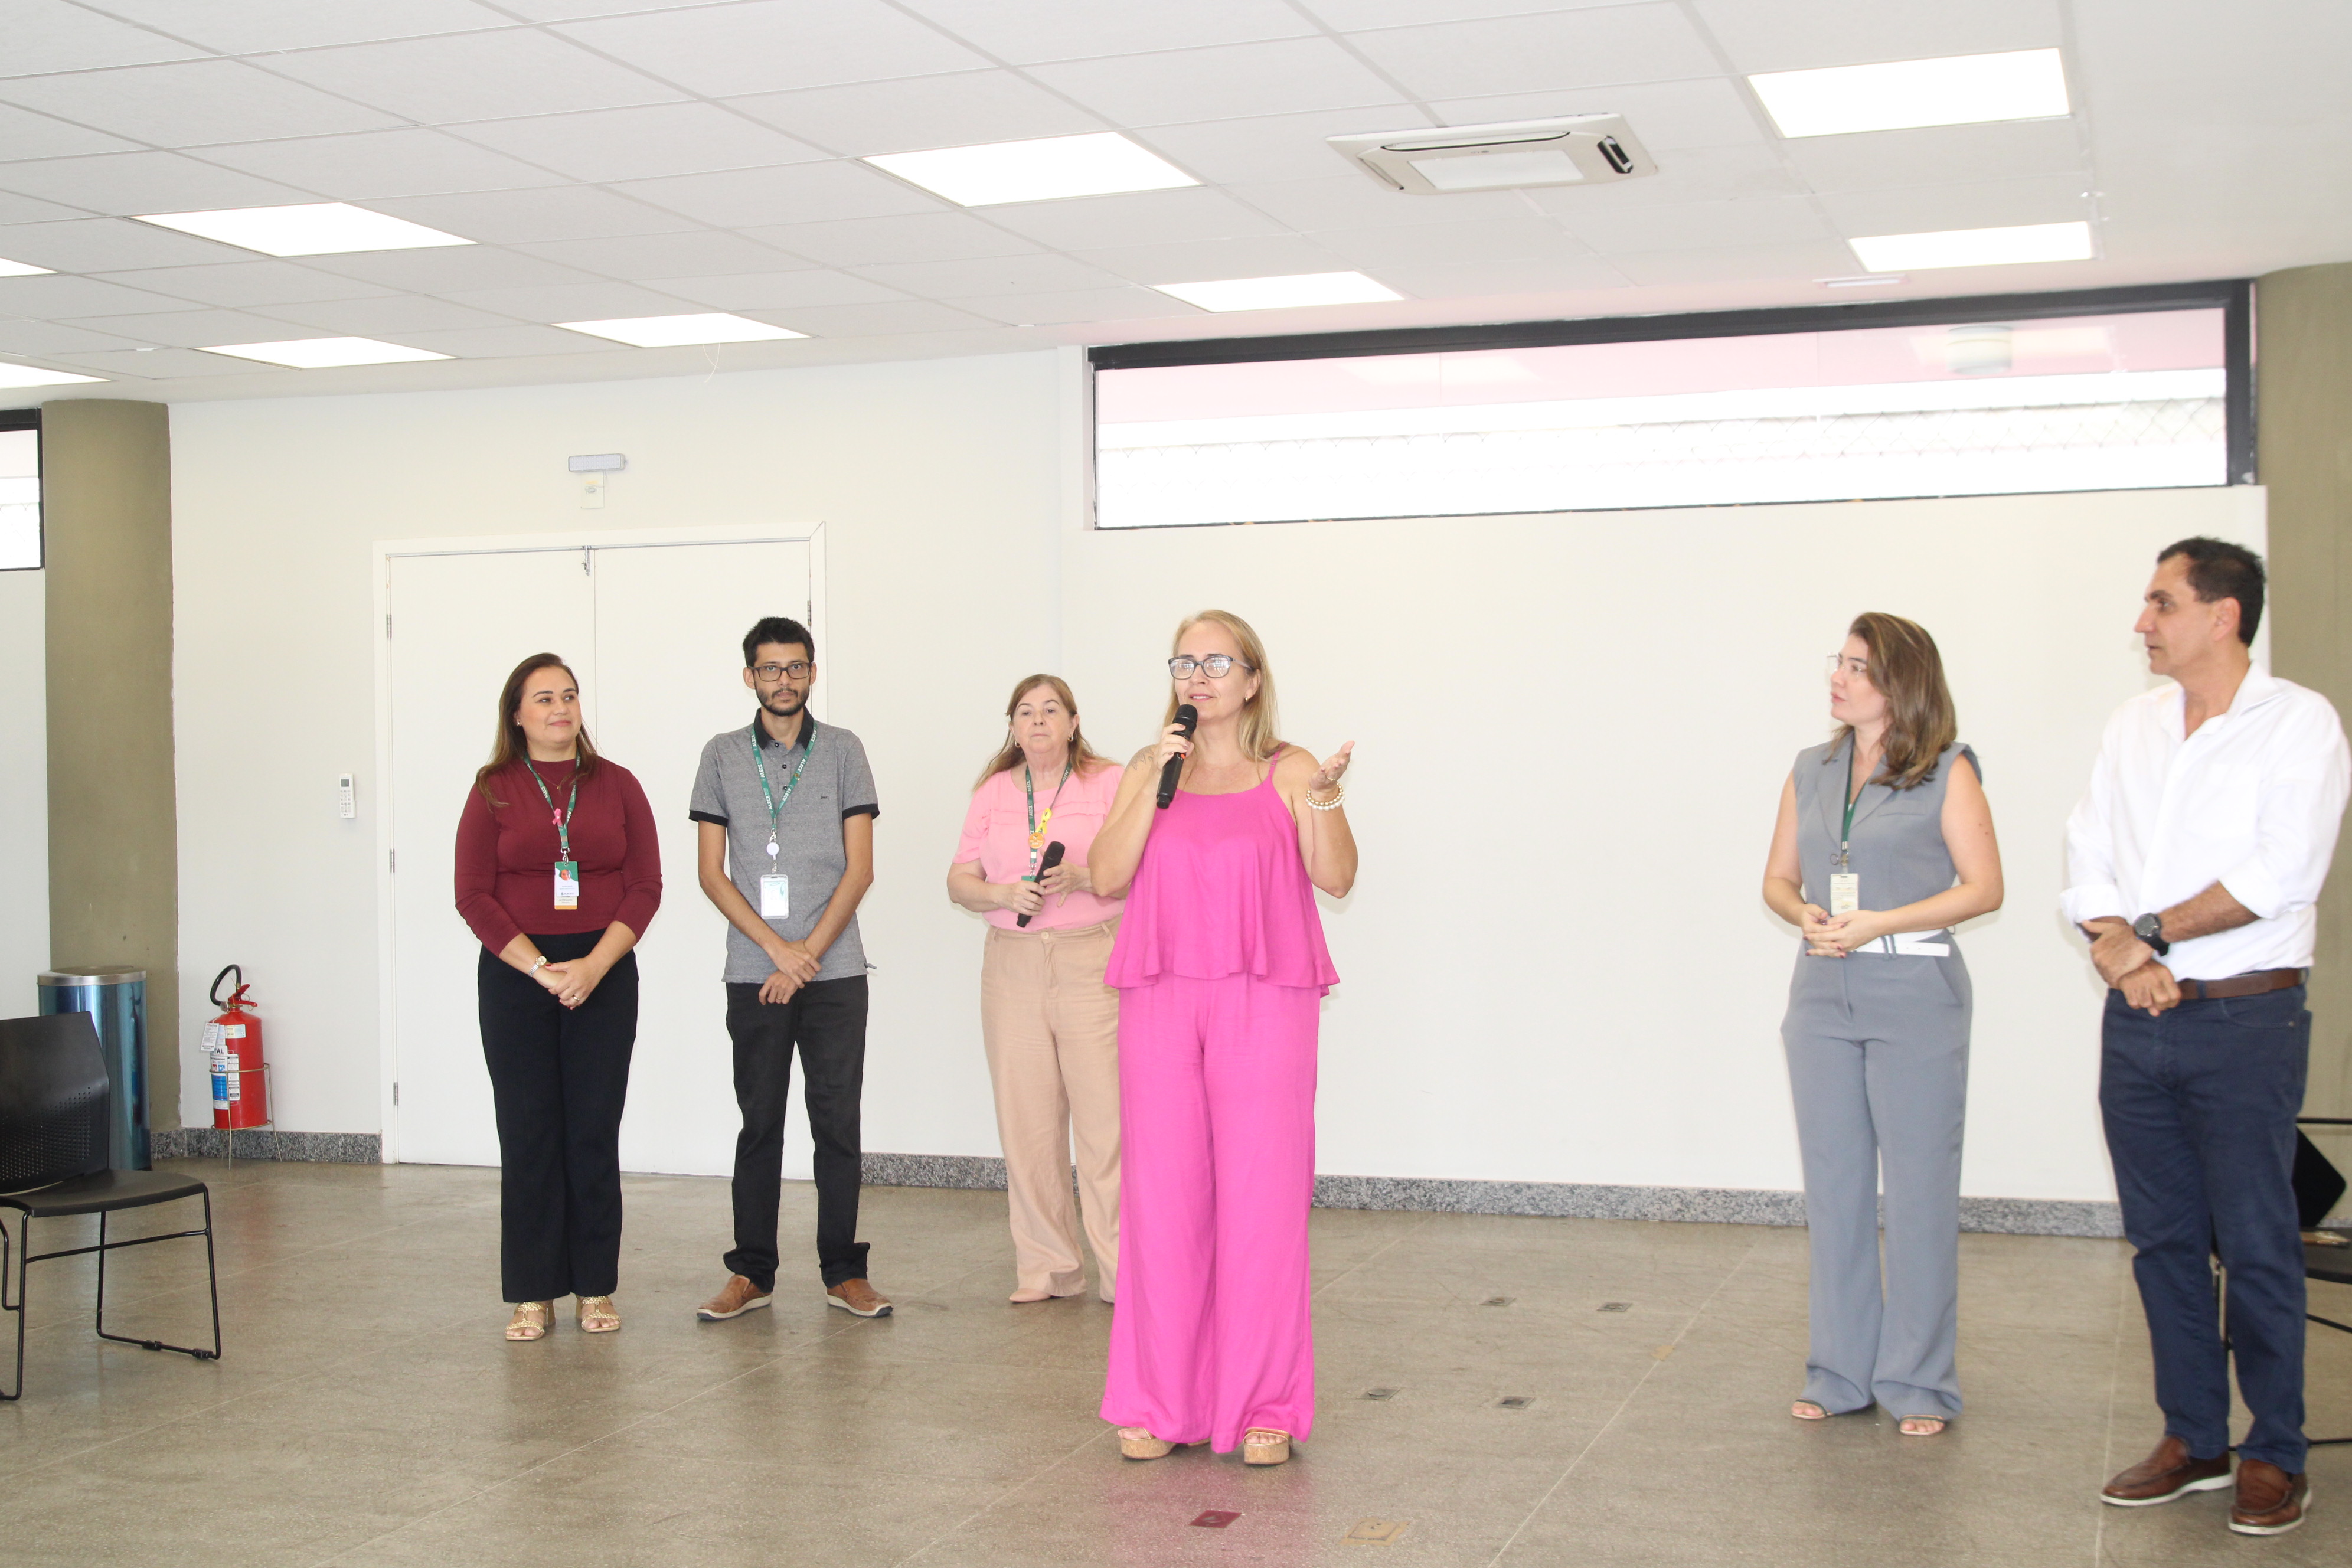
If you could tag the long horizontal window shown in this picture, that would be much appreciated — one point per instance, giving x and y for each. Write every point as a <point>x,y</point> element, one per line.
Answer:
<point>2116,400</point>
<point>20,495</point>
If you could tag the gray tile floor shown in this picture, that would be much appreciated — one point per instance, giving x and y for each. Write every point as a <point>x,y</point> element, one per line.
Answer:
<point>368,1413</point>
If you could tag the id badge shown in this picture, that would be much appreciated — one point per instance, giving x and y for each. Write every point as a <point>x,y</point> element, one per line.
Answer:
<point>1845,892</point>
<point>567,884</point>
<point>776,897</point>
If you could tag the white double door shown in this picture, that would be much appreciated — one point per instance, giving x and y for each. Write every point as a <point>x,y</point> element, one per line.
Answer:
<point>655,634</point>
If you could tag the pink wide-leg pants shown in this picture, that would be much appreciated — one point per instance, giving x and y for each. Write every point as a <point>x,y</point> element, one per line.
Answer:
<point>1211,1334</point>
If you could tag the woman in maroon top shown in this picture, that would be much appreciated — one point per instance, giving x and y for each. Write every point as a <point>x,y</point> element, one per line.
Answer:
<point>558,873</point>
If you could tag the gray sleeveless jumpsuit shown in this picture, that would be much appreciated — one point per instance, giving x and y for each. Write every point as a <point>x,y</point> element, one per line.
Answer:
<point>1878,1065</point>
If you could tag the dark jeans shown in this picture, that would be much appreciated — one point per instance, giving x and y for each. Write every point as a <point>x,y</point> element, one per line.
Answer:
<point>2199,1106</point>
<point>828,1020</point>
<point>559,1076</point>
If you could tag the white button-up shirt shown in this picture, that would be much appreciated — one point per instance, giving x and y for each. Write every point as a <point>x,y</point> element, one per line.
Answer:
<point>2253,801</point>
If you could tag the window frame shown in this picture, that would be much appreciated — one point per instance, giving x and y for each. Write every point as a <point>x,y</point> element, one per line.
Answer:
<point>31,419</point>
<point>2234,298</point>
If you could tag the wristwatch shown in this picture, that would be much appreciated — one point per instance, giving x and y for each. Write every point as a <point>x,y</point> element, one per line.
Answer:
<point>2149,929</point>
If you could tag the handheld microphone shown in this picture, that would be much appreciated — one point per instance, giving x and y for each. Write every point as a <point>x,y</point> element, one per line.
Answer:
<point>1186,717</point>
<point>1052,858</point>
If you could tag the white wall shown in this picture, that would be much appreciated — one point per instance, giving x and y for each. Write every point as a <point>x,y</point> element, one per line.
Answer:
<point>1572,732</point>
<point>23,793</point>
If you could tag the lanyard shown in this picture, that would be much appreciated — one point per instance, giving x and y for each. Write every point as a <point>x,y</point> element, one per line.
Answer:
<point>775,806</point>
<point>563,818</point>
<point>1846,835</point>
<point>1037,826</point>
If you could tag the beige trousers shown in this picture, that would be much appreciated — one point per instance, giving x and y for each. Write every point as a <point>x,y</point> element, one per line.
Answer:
<point>1052,1031</point>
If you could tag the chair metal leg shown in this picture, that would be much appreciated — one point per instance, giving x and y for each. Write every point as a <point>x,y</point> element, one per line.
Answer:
<point>17,1312</point>
<point>211,1270</point>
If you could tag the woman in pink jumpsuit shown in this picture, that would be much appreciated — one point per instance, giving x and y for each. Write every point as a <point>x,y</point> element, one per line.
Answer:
<point>1221,970</point>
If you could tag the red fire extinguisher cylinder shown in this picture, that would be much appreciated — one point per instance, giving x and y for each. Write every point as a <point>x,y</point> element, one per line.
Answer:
<point>233,1044</point>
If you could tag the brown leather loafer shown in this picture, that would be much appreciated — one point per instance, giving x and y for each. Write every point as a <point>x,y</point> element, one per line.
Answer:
<point>2270,1501</point>
<point>2165,1473</point>
<point>858,1298</point>
<point>737,1297</point>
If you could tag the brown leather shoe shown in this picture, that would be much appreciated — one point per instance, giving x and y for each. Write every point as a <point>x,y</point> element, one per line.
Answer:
<point>737,1297</point>
<point>2270,1501</point>
<point>858,1298</point>
<point>2165,1473</point>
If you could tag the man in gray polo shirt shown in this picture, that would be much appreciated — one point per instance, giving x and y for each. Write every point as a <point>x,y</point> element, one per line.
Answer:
<point>785,811</point>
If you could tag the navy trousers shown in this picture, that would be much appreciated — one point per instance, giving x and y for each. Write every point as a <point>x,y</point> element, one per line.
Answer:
<point>2199,1106</point>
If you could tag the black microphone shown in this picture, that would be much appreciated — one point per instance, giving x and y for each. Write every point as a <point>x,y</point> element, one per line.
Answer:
<point>1186,717</point>
<point>1052,858</point>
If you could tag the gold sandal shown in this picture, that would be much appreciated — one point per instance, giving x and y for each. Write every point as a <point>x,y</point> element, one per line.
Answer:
<point>1266,1446</point>
<point>597,1316</point>
<point>1135,1443</point>
<point>530,1320</point>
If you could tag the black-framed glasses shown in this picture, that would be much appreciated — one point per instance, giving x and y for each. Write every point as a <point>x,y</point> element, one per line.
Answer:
<point>1216,666</point>
<point>798,669</point>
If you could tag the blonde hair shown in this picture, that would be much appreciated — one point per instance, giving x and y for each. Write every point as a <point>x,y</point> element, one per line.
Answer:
<point>1084,759</point>
<point>1260,731</point>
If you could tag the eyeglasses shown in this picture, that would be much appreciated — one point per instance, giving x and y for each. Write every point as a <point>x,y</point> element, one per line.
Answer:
<point>1217,667</point>
<point>1854,667</point>
<point>771,673</point>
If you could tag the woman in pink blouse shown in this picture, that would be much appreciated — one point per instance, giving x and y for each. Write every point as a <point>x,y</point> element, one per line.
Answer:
<point>558,873</point>
<point>1050,1024</point>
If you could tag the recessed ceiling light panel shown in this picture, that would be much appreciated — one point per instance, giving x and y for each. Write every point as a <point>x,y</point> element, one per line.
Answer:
<point>1050,168</point>
<point>1281,293</point>
<point>33,375</point>
<point>676,331</point>
<point>20,269</point>
<point>323,354</point>
<point>313,228</point>
<point>1967,89</point>
<point>1976,246</point>
<point>1580,149</point>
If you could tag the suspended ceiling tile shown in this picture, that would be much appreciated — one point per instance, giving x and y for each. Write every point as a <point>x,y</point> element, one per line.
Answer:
<point>1745,264</point>
<point>193,104</point>
<point>919,112</point>
<point>248,283</point>
<point>1145,217</point>
<point>873,320</point>
<point>1939,154</point>
<point>994,275</point>
<point>608,145</point>
<point>24,134</point>
<point>575,10</point>
<point>554,211</point>
<point>444,269</point>
<point>1274,146</point>
<point>644,257</point>
<point>188,329</point>
<point>1704,112</point>
<point>1502,276</point>
<point>916,236</point>
<point>1694,174</point>
<point>123,183</point>
<point>19,336</point>
<point>159,364</point>
<point>475,76</point>
<point>596,302</point>
<point>1284,77</point>
<point>392,317</point>
<point>1860,32</point>
<point>1552,52</point>
<point>1352,201</point>
<point>1358,15</point>
<point>375,164</point>
<point>1991,204</point>
<point>1702,225</point>
<point>1422,245</point>
<point>1026,31</point>
<point>508,343</point>
<point>765,46</point>
<point>62,296</point>
<point>1213,260</point>
<point>106,244</point>
<point>1076,305</point>
<point>239,26</point>
<point>778,290</point>
<point>797,193</point>
<point>28,209</point>
<point>44,35</point>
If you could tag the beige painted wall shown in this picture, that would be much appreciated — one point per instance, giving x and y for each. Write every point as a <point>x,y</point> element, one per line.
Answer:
<point>2303,370</point>
<point>113,835</point>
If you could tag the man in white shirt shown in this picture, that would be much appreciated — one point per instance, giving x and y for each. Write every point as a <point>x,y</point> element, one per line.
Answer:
<point>2194,862</point>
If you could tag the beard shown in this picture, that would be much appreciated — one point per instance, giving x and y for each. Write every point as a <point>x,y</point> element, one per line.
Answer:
<point>783,702</point>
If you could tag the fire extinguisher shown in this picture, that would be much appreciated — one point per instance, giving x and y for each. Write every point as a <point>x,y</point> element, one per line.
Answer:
<point>233,1042</point>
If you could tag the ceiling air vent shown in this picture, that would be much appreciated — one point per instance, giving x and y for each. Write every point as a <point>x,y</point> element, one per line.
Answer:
<point>1580,149</point>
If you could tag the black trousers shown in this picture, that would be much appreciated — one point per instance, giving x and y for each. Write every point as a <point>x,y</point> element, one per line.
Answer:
<point>827,1019</point>
<point>560,1077</point>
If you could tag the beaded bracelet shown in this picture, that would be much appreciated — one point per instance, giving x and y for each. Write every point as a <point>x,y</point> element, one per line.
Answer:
<point>1334,804</point>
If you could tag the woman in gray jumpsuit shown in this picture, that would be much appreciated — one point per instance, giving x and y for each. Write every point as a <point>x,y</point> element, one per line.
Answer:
<point>1884,842</point>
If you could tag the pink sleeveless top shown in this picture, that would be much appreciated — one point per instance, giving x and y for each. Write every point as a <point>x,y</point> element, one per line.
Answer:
<point>1222,890</point>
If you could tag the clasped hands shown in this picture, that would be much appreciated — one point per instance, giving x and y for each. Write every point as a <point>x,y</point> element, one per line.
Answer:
<point>1026,898</point>
<point>795,967</point>
<point>1834,936</point>
<point>572,982</point>
<point>2130,966</point>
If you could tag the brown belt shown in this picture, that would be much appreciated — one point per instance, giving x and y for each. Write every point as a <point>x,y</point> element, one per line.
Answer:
<point>2253,983</point>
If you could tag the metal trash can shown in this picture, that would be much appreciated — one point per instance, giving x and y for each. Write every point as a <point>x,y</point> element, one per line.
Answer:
<point>116,999</point>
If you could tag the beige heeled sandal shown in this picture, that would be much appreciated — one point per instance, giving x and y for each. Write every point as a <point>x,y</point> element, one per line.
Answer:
<point>597,1316</point>
<point>1266,1446</point>
<point>1135,1442</point>
<point>530,1320</point>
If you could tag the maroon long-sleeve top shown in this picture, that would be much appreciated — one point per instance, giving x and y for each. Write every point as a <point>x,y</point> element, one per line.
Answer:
<point>507,854</point>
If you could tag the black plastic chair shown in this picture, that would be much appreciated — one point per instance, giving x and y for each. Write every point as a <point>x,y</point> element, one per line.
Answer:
<point>53,1152</point>
<point>2318,1188</point>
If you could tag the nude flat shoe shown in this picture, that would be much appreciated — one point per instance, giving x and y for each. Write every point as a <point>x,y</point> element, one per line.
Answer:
<point>1266,1446</point>
<point>530,1320</point>
<point>597,1316</point>
<point>1024,1296</point>
<point>1135,1442</point>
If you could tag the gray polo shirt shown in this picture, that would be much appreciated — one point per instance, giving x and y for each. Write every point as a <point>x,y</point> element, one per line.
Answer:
<point>811,851</point>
